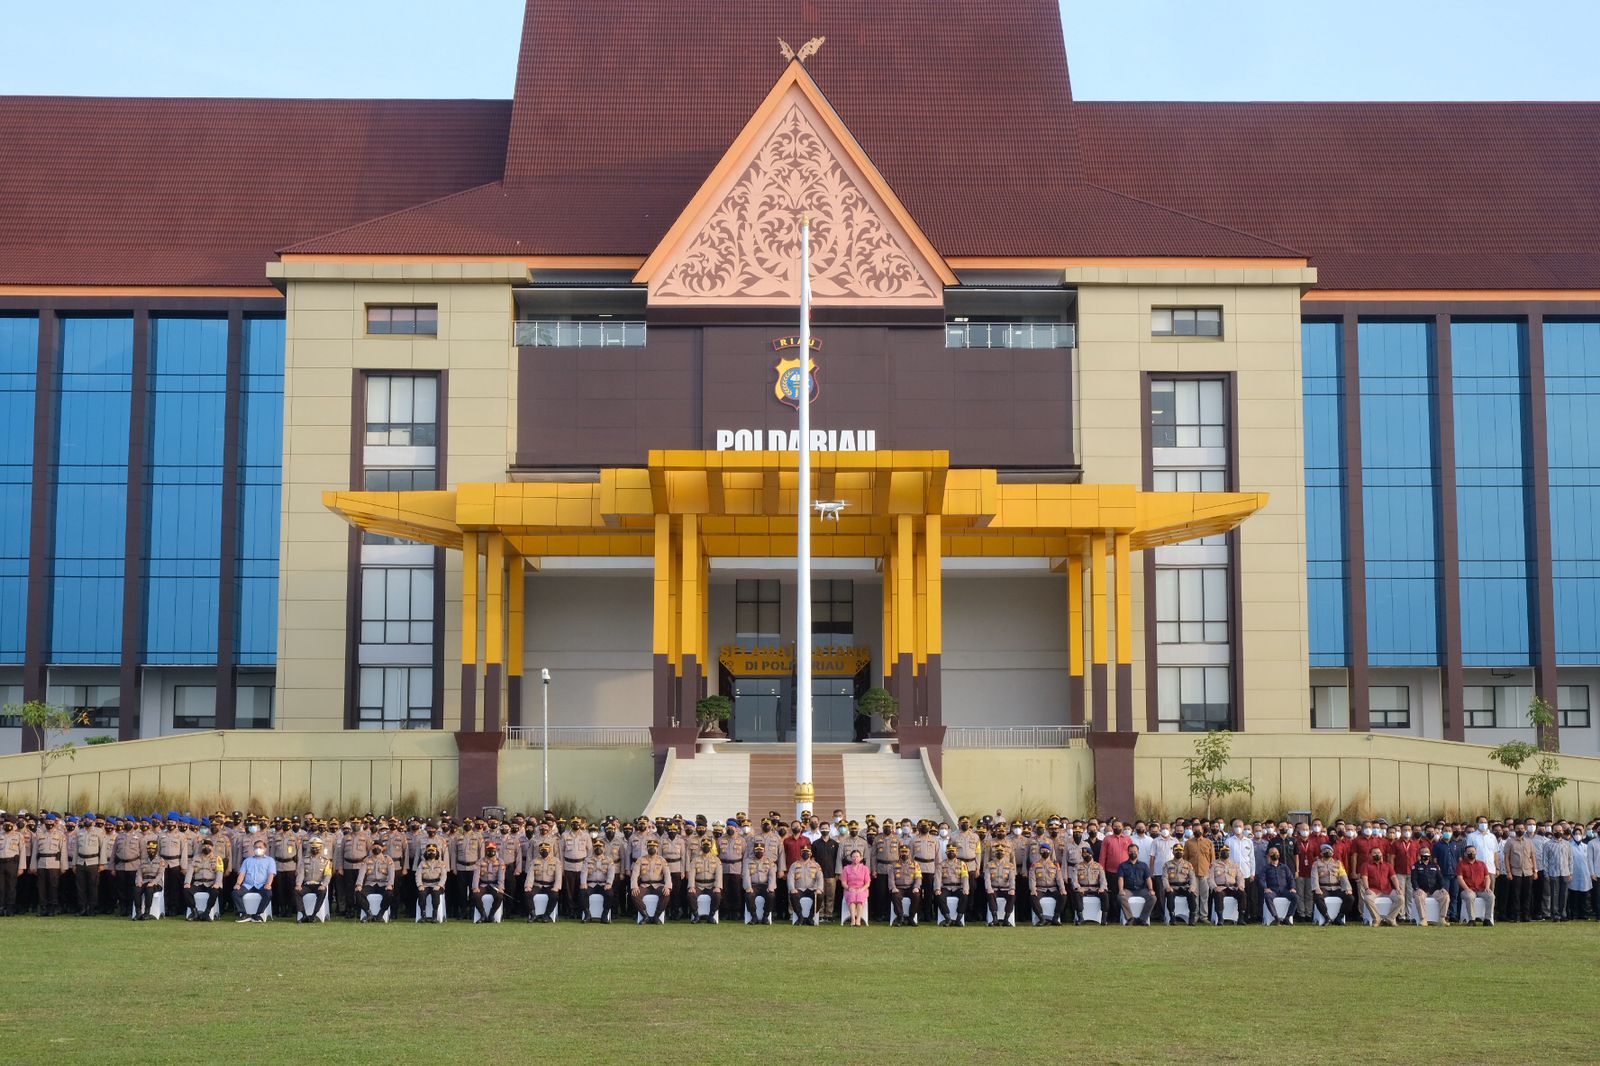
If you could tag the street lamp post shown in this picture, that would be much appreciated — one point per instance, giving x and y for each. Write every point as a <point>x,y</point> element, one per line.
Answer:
<point>804,795</point>
<point>544,732</point>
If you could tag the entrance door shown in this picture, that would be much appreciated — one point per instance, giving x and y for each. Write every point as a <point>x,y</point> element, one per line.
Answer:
<point>833,710</point>
<point>756,703</point>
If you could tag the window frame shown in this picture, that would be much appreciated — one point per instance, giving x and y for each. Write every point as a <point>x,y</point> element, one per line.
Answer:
<point>1180,316</point>
<point>1211,583</point>
<point>767,602</point>
<point>381,431</point>
<point>193,721</point>
<point>1563,710</point>
<point>1333,725</point>
<point>417,716</point>
<point>1207,675</point>
<point>419,320</point>
<point>1389,714</point>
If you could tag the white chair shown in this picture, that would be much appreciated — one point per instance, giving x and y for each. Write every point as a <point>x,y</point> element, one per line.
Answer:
<point>803,911</point>
<point>1480,910</point>
<point>1136,905</point>
<point>950,911</point>
<point>1430,910</point>
<point>1048,906</point>
<point>599,906</point>
<point>703,908</point>
<point>1091,910</point>
<point>905,914</point>
<point>543,905</point>
<point>158,905</point>
<point>1002,913</point>
<point>1230,909</point>
<point>257,905</point>
<point>477,909</point>
<point>310,899</point>
<point>1385,908</point>
<point>427,911</point>
<point>375,911</point>
<point>654,911</point>
<point>1277,913</point>
<point>208,902</point>
<point>1335,907</point>
<point>1180,909</point>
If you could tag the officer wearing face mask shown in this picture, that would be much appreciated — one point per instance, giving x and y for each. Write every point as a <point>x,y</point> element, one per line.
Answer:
<point>1227,882</point>
<point>1522,864</point>
<point>204,875</point>
<point>313,878</point>
<point>760,883</point>
<point>705,879</point>
<point>13,845</point>
<point>1089,882</point>
<point>1475,882</point>
<point>885,853</point>
<point>1177,882</point>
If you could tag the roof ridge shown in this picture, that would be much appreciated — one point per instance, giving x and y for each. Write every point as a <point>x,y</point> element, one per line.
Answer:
<point>1196,218</point>
<point>388,215</point>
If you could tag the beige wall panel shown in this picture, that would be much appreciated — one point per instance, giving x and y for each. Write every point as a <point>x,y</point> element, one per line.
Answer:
<point>597,780</point>
<point>111,792</point>
<point>1325,785</point>
<point>144,780</point>
<point>1444,789</point>
<point>416,780</point>
<point>1294,781</point>
<point>205,783</point>
<point>1174,789</point>
<point>1416,799</point>
<point>294,782</point>
<point>1018,780</point>
<point>325,785</point>
<point>445,778</point>
<point>1383,789</point>
<point>355,781</point>
<point>1267,777</point>
<point>266,780</point>
<point>383,778</point>
<point>175,778</point>
<point>1474,791</point>
<point>1355,784</point>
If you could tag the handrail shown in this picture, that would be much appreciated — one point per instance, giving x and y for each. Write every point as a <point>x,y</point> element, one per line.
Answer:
<point>1031,736</point>
<point>532,736</point>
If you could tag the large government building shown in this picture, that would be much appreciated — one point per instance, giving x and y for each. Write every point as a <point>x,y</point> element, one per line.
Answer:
<point>337,418</point>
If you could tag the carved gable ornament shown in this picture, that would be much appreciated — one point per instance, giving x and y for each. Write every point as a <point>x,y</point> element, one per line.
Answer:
<point>738,241</point>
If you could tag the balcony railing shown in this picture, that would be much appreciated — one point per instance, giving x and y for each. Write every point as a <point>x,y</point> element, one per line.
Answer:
<point>1029,736</point>
<point>594,333</point>
<point>532,736</point>
<point>1010,335</point>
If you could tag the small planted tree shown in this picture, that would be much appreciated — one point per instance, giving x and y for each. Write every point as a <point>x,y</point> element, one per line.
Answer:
<point>1211,754</point>
<point>711,712</point>
<point>1544,783</point>
<point>881,702</point>
<point>51,727</point>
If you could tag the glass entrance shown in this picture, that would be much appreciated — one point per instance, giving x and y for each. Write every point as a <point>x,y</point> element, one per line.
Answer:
<point>757,703</point>
<point>833,710</point>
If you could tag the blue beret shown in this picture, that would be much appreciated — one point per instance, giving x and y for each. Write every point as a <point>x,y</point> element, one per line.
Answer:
<point>90,815</point>
<point>172,816</point>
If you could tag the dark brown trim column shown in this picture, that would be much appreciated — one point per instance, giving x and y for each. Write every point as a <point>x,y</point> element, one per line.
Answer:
<point>41,521</point>
<point>478,771</point>
<point>228,547</point>
<point>1542,608</point>
<point>1113,774</point>
<point>1448,545</point>
<point>133,548</point>
<point>1355,543</point>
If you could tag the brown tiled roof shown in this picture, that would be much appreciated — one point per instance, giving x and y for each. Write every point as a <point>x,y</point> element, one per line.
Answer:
<point>1380,195</point>
<point>963,107</point>
<point>204,192</point>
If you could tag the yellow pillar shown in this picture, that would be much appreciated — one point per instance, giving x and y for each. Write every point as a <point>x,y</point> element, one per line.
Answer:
<point>469,631</point>
<point>516,578</point>
<point>933,643</point>
<point>691,601</point>
<point>919,604</point>
<point>1123,562</point>
<point>1075,615</point>
<point>661,636</point>
<point>888,651</point>
<point>494,602</point>
<point>905,576</point>
<point>1102,621</point>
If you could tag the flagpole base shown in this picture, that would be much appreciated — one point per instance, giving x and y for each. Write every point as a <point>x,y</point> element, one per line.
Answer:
<point>805,798</point>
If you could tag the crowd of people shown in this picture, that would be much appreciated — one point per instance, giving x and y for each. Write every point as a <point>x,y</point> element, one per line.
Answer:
<point>986,870</point>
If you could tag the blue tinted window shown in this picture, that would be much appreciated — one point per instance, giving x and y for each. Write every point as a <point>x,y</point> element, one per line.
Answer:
<point>91,483</point>
<point>260,488</point>
<point>1572,397</point>
<point>188,387</point>
<point>19,359</point>
<point>1400,486</point>
<point>1327,559</point>
<point>1490,385</point>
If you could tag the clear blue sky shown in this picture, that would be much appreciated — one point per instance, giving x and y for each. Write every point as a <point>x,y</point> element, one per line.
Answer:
<point>1120,49</point>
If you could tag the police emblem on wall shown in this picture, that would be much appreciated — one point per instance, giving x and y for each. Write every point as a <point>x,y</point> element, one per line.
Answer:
<point>787,388</point>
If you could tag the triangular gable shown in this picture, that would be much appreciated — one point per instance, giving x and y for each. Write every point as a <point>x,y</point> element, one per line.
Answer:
<point>738,241</point>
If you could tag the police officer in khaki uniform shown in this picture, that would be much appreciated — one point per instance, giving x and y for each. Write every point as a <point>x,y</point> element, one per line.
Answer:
<point>599,878</point>
<point>13,861</point>
<point>805,882</point>
<point>313,877</point>
<point>760,883</point>
<point>377,879</point>
<point>1089,880</point>
<point>466,851</point>
<point>651,877</point>
<point>1227,882</point>
<point>284,847</point>
<point>174,848</point>
<point>351,849</point>
<point>150,878</point>
<point>432,874</point>
<point>1000,887</point>
<point>546,874</point>
<point>969,849</point>
<point>675,850</point>
<point>885,853</point>
<point>1330,882</point>
<point>89,854</point>
<point>489,883</point>
<point>955,884</point>
<point>49,858</point>
<point>576,847</point>
<point>205,874</point>
<point>705,879</point>
<point>1047,880</point>
<point>1178,882</point>
<point>905,884</point>
<point>730,853</point>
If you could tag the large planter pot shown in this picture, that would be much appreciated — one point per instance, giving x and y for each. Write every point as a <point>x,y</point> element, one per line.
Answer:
<point>712,730</point>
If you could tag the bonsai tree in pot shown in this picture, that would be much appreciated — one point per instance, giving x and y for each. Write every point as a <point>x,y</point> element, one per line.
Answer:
<point>711,712</point>
<point>880,702</point>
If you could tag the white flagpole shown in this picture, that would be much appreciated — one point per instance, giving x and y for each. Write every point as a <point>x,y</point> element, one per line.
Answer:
<point>804,796</point>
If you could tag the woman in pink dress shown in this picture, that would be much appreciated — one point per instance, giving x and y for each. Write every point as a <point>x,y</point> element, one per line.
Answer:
<point>856,878</point>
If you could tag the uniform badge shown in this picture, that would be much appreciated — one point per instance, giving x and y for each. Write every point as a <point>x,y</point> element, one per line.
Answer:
<point>787,388</point>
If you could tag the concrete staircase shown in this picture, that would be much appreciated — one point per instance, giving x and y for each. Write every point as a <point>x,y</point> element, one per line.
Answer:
<point>715,785</point>
<point>760,778</point>
<point>887,785</point>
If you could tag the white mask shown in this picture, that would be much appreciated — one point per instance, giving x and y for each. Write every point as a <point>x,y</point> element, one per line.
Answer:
<point>1407,834</point>
<point>1166,832</point>
<point>253,829</point>
<point>944,833</point>
<point>1305,832</point>
<point>1483,827</point>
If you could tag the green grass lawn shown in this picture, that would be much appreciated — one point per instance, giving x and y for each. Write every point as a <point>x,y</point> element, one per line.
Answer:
<point>282,993</point>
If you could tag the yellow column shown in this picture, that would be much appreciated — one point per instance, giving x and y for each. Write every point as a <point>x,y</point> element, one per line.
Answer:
<point>1124,553</point>
<point>516,579</point>
<point>469,599</point>
<point>1097,567</point>
<point>689,605</point>
<point>494,603</point>
<point>919,605</point>
<point>888,613</point>
<point>933,643</point>
<point>1075,615</point>
<point>661,638</point>
<point>905,575</point>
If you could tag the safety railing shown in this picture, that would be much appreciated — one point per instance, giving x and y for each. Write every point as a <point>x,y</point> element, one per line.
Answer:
<point>1026,736</point>
<point>564,736</point>
<point>1010,335</point>
<point>563,333</point>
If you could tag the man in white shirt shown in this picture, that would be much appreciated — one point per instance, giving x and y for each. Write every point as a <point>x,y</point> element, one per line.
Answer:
<point>1158,854</point>
<point>1242,850</point>
<point>1488,845</point>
